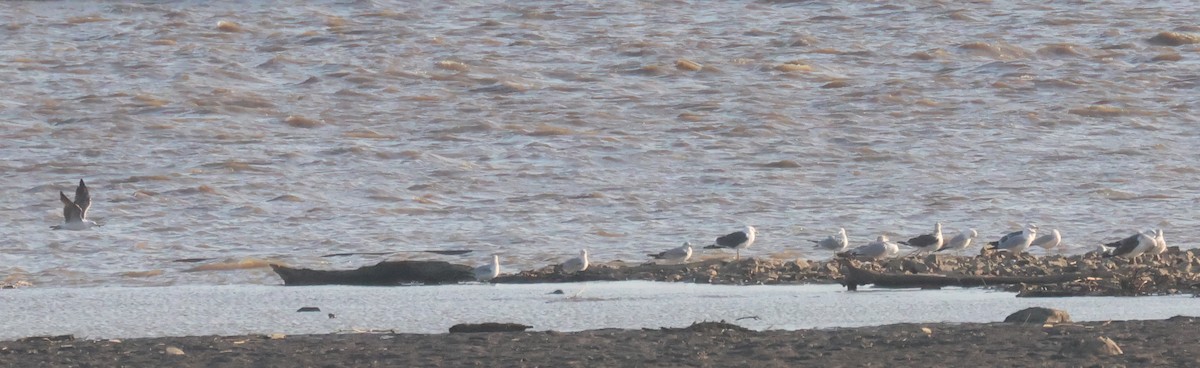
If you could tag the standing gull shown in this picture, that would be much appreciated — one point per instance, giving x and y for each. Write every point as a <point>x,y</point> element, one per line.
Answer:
<point>836,243</point>
<point>1160,245</point>
<point>1017,241</point>
<point>737,240</point>
<point>677,254</point>
<point>927,243</point>
<point>75,213</point>
<point>488,271</point>
<point>576,264</point>
<point>1048,241</point>
<point>1133,246</point>
<point>879,249</point>
<point>960,241</point>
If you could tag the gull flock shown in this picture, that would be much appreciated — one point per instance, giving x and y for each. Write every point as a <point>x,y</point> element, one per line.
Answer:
<point>1148,243</point>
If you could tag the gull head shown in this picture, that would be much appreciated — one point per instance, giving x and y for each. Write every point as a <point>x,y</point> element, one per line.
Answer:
<point>1031,229</point>
<point>971,233</point>
<point>750,230</point>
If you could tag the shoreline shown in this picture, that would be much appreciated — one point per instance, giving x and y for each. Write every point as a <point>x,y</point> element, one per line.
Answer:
<point>1174,272</point>
<point>1167,342</point>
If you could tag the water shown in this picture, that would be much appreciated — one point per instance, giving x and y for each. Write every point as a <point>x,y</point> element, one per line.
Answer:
<point>125,312</point>
<point>258,132</point>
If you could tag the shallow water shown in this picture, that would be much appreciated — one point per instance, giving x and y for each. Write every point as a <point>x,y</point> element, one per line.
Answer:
<point>258,132</point>
<point>123,312</point>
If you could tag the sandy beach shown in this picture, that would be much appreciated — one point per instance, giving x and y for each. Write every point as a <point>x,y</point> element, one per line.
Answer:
<point>1170,342</point>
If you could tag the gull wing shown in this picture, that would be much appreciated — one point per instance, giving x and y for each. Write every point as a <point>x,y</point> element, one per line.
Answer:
<point>82,199</point>
<point>71,211</point>
<point>923,240</point>
<point>733,239</point>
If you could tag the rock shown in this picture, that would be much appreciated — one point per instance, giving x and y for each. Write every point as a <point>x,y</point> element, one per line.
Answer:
<point>308,309</point>
<point>1090,346</point>
<point>1038,315</point>
<point>801,263</point>
<point>171,350</point>
<point>488,327</point>
<point>894,265</point>
<point>914,266</point>
<point>276,336</point>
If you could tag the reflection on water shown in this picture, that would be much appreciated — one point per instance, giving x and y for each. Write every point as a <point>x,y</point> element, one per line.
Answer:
<point>226,310</point>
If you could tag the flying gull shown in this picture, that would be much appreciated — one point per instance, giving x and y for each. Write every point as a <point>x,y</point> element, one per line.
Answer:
<point>1048,241</point>
<point>75,213</point>
<point>737,240</point>
<point>677,254</point>
<point>836,243</point>
<point>960,241</point>
<point>927,243</point>
<point>1017,241</point>
<point>1132,246</point>
<point>576,264</point>
<point>879,249</point>
<point>488,271</point>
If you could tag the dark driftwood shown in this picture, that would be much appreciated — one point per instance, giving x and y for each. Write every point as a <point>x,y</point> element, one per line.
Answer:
<point>452,252</point>
<point>488,327</point>
<point>380,274</point>
<point>855,276</point>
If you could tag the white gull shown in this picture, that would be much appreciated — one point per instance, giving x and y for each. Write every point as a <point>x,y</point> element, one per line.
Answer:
<point>576,264</point>
<point>960,241</point>
<point>678,254</point>
<point>879,249</point>
<point>488,271</point>
<point>837,242</point>
<point>1048,241</point>
<point>1017,241</point>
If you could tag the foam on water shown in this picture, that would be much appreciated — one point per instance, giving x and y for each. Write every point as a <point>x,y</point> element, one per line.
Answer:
<point>123,312</point>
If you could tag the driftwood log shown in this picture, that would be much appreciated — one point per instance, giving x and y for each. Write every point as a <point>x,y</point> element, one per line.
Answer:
<point>381,274</point>
<point>488,327</point>
<point>855,276</point>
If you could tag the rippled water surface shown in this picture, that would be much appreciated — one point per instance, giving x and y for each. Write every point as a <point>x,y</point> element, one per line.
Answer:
<point>279,132</point>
